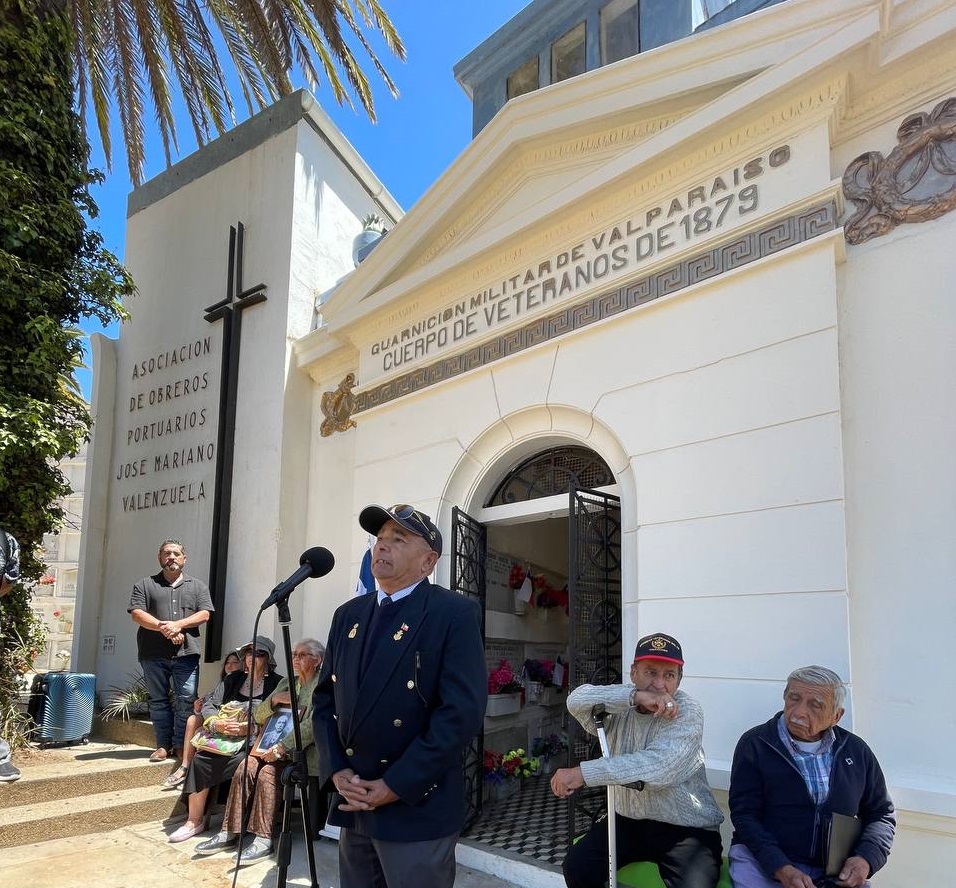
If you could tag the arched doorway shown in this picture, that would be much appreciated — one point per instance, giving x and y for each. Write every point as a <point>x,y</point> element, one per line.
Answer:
<point>543,555</point>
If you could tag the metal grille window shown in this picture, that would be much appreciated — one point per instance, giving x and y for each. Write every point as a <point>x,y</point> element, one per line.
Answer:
<point>550,473</point>
<point>567,55</point>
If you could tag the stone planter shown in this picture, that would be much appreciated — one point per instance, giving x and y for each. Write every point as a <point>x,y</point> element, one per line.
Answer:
<point>503,704</point>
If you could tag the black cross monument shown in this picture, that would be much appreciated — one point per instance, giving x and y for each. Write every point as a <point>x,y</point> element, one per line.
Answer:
<point>229,310</point>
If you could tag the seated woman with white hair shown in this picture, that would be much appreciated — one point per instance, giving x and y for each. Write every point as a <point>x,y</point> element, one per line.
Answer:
<point>259,778</point>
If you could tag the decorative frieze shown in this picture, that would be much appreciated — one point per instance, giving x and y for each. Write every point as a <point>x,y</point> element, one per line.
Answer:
<point>776,235</point>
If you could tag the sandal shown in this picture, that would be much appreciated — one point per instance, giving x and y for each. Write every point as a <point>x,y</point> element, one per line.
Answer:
<point>177,778</point>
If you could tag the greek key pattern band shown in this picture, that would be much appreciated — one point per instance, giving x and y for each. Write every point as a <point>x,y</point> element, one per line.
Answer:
<point>775,236</point>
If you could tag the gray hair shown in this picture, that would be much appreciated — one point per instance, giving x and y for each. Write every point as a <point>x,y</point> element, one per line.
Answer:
<point>172,542</point>
<point>821,677</point>
<point>314,647</point>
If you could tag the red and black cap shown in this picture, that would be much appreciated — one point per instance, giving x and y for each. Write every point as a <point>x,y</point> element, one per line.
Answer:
<point>659,647</point>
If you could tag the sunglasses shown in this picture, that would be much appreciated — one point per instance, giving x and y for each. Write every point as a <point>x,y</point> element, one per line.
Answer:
<point>410,513</point>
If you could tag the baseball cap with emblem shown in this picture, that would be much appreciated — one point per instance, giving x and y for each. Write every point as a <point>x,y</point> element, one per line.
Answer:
<point>659,647</point>
<point>371,518</point>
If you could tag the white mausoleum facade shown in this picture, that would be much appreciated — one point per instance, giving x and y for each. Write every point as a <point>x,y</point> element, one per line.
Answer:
<point>658,261</point>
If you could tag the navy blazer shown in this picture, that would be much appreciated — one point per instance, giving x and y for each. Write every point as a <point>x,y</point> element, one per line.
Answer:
<point>408,717</point>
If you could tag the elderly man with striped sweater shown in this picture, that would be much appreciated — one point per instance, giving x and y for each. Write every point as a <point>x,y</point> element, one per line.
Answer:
<point>655,734</point>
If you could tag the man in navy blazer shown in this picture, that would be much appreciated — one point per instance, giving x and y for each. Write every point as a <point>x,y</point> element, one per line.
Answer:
<point>401,693</point>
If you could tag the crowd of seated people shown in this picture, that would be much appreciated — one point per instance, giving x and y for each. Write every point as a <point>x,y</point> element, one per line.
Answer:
<point>254,772</point>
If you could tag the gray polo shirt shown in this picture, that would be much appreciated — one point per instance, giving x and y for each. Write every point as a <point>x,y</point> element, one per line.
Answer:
<point>155,596</point>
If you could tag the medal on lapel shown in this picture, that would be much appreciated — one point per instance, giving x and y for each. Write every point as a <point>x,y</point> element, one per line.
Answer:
<point>401,632</point>
<point>354,631</point>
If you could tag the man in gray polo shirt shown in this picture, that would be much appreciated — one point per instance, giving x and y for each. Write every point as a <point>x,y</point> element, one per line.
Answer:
<point>169,607</point>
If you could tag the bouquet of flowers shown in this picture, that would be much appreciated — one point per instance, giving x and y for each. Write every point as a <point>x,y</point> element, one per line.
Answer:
<point>513,765</point>
<point>548,596</point>
<point>517,575</point>
<point>539,670</point>
<point>547,747</point>
<point>503,680</point>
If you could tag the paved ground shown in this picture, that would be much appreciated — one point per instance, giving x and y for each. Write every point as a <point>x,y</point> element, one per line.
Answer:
<point>140,857</point>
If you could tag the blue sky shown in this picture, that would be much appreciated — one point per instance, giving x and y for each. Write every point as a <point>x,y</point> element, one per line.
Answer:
<point>416,138</point>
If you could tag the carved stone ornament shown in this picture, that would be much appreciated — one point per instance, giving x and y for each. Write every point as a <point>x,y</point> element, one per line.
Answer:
<point>915,183</point>
<point>337,408</point>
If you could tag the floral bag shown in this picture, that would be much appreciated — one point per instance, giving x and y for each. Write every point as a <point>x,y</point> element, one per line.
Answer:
<point>208,740</point>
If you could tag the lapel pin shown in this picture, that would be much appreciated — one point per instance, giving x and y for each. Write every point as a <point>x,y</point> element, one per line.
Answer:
<point>354,631</point>
<point>401,632</point>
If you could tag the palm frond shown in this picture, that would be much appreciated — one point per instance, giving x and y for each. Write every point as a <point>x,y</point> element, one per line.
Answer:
<point>127,52</point>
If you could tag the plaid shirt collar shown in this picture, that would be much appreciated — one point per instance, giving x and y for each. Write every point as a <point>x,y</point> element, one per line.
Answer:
<point>814,767</point>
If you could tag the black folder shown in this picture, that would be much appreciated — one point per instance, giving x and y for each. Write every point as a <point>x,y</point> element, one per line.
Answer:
<point>842,834</point>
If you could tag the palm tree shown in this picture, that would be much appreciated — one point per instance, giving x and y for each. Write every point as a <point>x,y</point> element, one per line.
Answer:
<point>125,53</point>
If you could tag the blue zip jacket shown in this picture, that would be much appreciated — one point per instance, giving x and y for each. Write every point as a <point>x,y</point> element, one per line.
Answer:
<point>775,816</point>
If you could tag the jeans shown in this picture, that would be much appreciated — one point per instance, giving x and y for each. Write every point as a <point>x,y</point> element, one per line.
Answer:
<point>181,675</point>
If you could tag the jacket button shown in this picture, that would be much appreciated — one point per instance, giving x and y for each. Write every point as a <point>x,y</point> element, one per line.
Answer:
<point>383,761</point>
<point>334,678</point>
<point>397,723</point>
<point>350,751</point>
<point>410,684</point>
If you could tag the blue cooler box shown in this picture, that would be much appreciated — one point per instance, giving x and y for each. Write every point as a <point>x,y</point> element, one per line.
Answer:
<point>64,712</point>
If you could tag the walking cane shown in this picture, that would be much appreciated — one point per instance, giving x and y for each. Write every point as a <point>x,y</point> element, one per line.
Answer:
<point>598,714</point>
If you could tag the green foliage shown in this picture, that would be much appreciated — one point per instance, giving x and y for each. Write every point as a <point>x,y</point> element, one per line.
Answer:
<point>54,271</point>
<point>124,700</point>
<point>128,55</point>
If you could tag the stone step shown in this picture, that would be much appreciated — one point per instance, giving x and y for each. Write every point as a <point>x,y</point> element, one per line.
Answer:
<point>82,778</point>
<point>136,731</point>
<point>80,815</point>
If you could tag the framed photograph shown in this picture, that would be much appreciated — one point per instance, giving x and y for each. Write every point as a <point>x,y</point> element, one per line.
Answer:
<point>278,725</point>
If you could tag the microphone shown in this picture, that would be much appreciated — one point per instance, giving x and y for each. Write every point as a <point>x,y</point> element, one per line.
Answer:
<point>314,562</point>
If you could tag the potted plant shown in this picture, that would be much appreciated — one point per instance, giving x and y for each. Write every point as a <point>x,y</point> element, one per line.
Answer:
<point>127,701</point>
<point>503,773</point>
<point>504,691</point>
<point>537,675</point>
<point>547,749</point>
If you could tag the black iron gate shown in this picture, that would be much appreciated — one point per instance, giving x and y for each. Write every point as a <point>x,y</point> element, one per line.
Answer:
<point>468,550</point>
<point>594,586</point>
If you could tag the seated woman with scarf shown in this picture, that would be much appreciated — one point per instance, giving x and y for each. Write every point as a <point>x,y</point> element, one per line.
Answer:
<point>261,773</point>
<point>251,686</point>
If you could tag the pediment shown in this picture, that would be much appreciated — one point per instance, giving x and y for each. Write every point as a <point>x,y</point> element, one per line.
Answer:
<point>579,155</point>
<point>531,170</point>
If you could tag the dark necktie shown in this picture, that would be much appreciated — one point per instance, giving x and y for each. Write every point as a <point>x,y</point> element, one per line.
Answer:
<point>381,620</point>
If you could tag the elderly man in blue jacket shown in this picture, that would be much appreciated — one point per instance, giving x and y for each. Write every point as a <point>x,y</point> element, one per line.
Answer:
<point>790,776</point>
<point>401,693</point>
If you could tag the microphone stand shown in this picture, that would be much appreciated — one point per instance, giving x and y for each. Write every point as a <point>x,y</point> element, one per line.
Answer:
<point>295,774</point>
